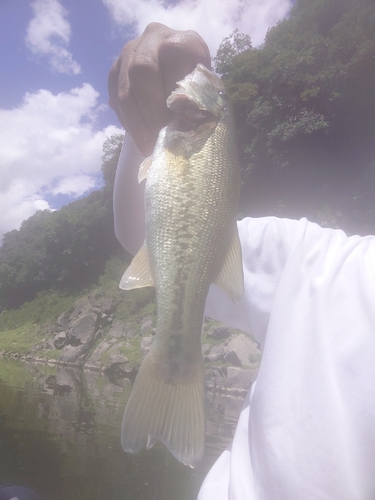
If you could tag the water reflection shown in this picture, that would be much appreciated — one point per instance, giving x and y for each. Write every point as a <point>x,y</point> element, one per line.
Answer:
<point>60,435</point>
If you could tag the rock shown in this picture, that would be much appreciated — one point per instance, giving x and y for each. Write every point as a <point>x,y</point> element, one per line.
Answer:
<point>106,305</point>
<point>105,320</point>
<point>118,359</point>
<point>95,361</point>
<point>83,329</point>
<point>213,357</point>
<point>206,348</point>
<point>129,330</point>
<point>245,348</point>
<point>63,321</point>
<point>59,340</point>
<point>119,367</point>
<point>231,379</point>
<point>231,358</point>
<point>239,378</point>
<point>74,354</point>
<point>117,330</point>
<point>80,306</point>
<point>219,349</point>
<point>146,326</point>
<point>215,353</point>
<point>146,343</point>
<point>219,333</point>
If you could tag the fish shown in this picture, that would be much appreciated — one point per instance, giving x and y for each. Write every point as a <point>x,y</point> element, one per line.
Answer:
<point>191,201</point>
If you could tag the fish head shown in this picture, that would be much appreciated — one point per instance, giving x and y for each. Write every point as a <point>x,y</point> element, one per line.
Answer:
<point>200,97</point>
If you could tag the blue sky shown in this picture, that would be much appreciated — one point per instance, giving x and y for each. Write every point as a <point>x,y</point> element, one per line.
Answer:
<point>55,56</point>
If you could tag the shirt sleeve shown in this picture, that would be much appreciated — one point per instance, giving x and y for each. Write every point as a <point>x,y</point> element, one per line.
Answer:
<point>307,428</point>
<point>266,243</point>
<point>128,198</point>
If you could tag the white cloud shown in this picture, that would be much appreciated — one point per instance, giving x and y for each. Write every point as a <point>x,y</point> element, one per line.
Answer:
<point>49,145</point>
<point>48,33</point>
<point>212,19</point>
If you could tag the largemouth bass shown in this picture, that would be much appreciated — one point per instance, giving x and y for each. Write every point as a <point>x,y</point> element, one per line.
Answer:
<point>191,201</point>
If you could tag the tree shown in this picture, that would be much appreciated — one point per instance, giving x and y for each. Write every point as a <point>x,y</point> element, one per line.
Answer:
<point>111,154</point>
<point>305,107</point>
<point>61,250</point>
<point>231,46</point>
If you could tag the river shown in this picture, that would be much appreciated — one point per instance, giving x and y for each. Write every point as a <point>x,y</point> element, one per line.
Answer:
<point>60,435</point>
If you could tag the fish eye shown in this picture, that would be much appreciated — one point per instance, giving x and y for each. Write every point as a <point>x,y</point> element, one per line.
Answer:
<point>222,93</point>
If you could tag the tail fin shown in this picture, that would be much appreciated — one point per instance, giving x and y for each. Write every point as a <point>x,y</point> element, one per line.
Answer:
<point>160,409</point>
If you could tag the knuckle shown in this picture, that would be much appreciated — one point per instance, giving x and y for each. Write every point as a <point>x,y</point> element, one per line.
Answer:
<point>143,64</point>
<point>154,26</point>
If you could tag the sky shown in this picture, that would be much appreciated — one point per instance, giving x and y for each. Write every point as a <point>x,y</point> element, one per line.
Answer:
<point>54,61</point>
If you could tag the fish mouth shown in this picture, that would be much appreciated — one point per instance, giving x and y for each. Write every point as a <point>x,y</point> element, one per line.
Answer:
<point>198,98</point>
<point>188,115</point>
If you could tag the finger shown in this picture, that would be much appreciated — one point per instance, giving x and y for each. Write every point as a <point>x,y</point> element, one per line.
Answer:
<point>142,100</point>
<point>118,80</point>
<point>179,54</point>
<point>121,85</point>
<point>147,86</point>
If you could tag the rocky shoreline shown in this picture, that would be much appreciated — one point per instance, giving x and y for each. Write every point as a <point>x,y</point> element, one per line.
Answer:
<point>91,338</point>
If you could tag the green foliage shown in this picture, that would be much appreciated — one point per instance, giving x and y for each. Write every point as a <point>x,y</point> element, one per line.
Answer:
<point>305,107</point>
<point>111,154</point>
<point>20,340</point>
<point>231,46</point>
<point>136,304</point>
<point>45,307</point>
<point>23,328</point>
<point>114,269</point>
<point>132,351</point>
<point>62,250</point>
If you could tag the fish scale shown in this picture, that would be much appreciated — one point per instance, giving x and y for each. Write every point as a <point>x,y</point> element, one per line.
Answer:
<point>191,201</point>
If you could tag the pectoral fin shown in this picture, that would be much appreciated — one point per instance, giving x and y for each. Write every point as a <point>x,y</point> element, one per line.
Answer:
<point>230,278</point>
<point>144,168</point>
<point>138,274</point>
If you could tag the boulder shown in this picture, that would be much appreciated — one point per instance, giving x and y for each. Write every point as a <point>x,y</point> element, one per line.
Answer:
<point>239,379</point>
<point>80,306</point>
<point>83,329</point>
<point>119,368</point>
<point>146,343</point>
<point>95,361</point>
<point>245,348</point>
<point>63,321</point>
<point>147,327</point>
<point>117,330</point>
<point>105,320</point>
<point>106,305</point>
<point>230,379</point>
<point>219,332</point>
<point>206,348</point>
<point>130,331</point>
<point>59,340</point>
<point>74,354</point>
<point>231,358</point>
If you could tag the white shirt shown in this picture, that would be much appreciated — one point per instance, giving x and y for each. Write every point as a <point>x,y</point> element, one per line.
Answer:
<point>307,428</point>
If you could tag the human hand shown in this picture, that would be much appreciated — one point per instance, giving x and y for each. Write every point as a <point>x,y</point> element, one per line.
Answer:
<point>145,74</point>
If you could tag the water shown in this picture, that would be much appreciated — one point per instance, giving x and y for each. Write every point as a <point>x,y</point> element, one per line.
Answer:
<point>60,435</point>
